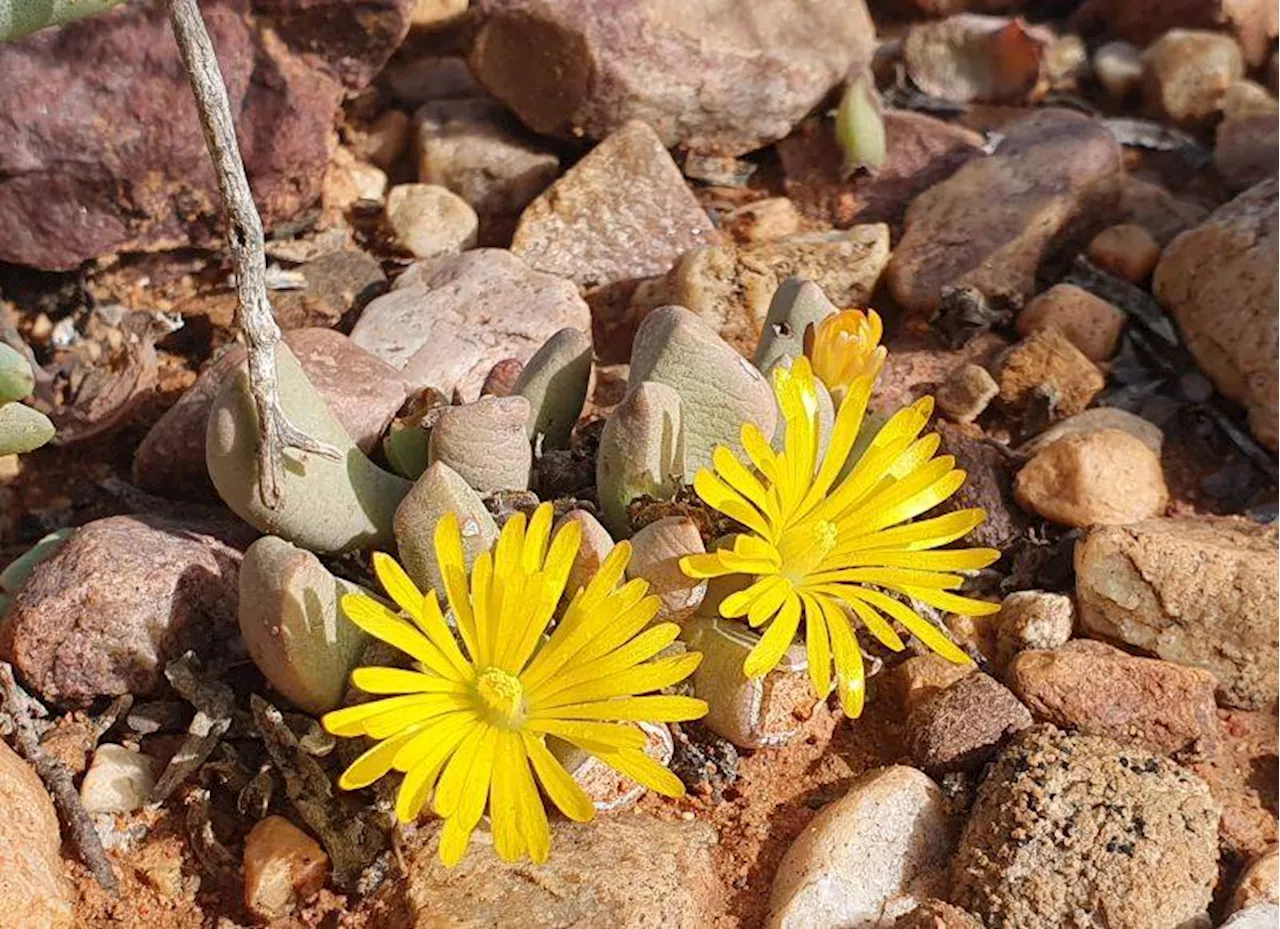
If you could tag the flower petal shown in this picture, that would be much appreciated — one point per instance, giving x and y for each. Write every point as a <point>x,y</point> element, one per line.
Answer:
<point>776,639</point>
<point>564,791</point>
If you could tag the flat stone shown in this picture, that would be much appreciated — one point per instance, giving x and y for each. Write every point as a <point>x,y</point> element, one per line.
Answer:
<point>622,213</point>
<point>921,677</point>
<point>74,638</point>
<point>1068,827</point>
<point>711,78</point>
<point>964,395</point>
<point>989,485</point>
<point>1055,176</point>
<point>629,872</point>
<point>1199,591</point>
<point>1098,418</point>
<point>337,283</point>
<point>1099,690</point>
<point>445,323</point>
<point>1244,149</point>
<point>866,857</point>
<point>363,392</point>
<point>1159,212</point>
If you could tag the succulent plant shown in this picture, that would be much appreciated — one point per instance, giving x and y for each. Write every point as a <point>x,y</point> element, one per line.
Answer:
<point>554,381</point>
<point>18,570</point>
<point>22,429</point>
<point>610,791</point>
<point>642,452</point>
<point>796,305</point>
<point>486,442</point>
<point>17,380</point>
<point>749,712</point>
<point>719,390</point>
<point>440,490</point>
<point>325,505</point>
<point>860,126</point>
<point>656,551</point>
<point>594,549</point>
<point>293,626</point>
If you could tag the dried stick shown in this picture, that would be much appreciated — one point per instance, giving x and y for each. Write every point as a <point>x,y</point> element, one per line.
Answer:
<point>57,779</point>
<point>244,236</point>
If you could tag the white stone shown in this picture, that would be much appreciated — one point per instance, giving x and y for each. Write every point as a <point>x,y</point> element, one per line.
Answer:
<point>119,780</point>
<point>866,858</point>
<point>430,221</point>
<point>1262,916</point>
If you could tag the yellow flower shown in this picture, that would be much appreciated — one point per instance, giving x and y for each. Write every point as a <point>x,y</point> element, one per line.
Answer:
<point>827,549</point>
<point>468,723</point>
<point>846,346</point>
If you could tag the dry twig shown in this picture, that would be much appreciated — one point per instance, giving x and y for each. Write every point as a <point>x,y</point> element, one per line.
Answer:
<point>56,777</point>
<point>244,237</point>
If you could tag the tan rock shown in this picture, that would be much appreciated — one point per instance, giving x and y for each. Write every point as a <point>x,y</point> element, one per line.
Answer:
<point>1033,619</point>
<point>429,221</point>
<point>34,889</point>
<point>1055,176</point>
<point>921,677</point>
<point>1247,745</point>
<point>970,57</point>
<point>1220,283</point>
<point>349,180</point>
<point>1252,22</point>
<point>935,914</point>
<point>283,867</point>
<point>1197,591</point>
<point>962,726</point>
<point>1047,360</point>
<point>620,214</point>
<point>1187,72</point>
<point>762,221</point>
<point>1090,323</point>
<point>1128,251</point>
<point>628,872</point>
<point>1096,478</point>
<point>964,395</point>
<point>1260,883</point>
<point>866,857</point>
<point>656,551</point>
<point>730,288</point>
<point>433,14</point>
<point>1099,690</point>
<point>1102,417</point>
<point>384,140</point>
<point>988,485</point>
<point>1068,825</point>
<point>1118,68</point>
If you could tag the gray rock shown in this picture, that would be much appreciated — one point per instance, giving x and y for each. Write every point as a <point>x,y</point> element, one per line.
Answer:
<point>446,323</point>
<point>1033,619</point>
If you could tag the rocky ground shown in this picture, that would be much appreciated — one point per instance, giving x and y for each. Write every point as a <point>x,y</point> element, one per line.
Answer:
<point>1072,239</point>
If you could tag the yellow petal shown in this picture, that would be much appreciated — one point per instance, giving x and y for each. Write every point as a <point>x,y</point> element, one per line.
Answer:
<point>420,777</point>
<point>933,637</point>
<point>378,680</point>
<point>952,603</point>
<point>741,602</point>
<point>530,811</point>
<point>625,682</point>
<point>848,662</point>
<point>376,761</point>
<point>564,791</point>
<point>645,771</point>
<point>767,605</point>
<point>704,566</point>
<point>776,640</point>
<point>397,584</point>
<point>591,736</point>
<point>504,813</point>
<point>381,623</point>
<point>817,645</point>
<point>353,720</point>
<point>650,708</point>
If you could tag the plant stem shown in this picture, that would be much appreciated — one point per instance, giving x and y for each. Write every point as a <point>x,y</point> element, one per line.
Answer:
<point>244,237</point>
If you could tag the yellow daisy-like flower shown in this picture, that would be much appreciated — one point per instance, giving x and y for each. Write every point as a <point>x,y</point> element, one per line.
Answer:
<point>827,549</point>
<point>468,724</point>
<point>846,346</point>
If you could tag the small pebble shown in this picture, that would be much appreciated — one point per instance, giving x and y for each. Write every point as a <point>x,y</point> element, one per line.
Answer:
<point>1118,68</point>
<point>429,221</point>
<point>118,780</point>
<point>283,866</point>
<point>1090,323</point>
<point>1033,619</point>
<point>966,393</point>
<point>1128,251</point>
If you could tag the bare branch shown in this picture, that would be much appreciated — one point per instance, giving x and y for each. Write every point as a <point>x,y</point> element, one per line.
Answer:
<point>244,237</point>
<point>56,777</point>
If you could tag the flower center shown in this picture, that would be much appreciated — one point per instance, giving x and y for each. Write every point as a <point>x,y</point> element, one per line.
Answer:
<point>501,697</point>
<point>804,547</point>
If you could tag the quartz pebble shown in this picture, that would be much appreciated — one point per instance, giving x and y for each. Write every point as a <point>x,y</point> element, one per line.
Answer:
<point>283,867</point>
<point>429,221</point>
<point>119,780</point>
